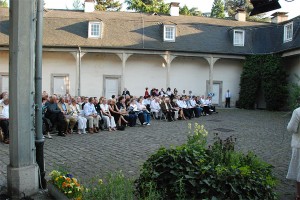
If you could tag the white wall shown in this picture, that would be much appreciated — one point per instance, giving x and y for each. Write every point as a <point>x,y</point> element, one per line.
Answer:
<point>93,67</point>
<point>189,73</point>
<point>229,72</point>
<point>4,68</point>
<point>144,71</point>
<point>58,63</point>
<point>4,61</point>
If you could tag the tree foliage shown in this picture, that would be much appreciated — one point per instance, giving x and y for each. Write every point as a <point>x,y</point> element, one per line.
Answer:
<point>192,12</point>
<point>148,6</point>
<point>266,72</point>
<point>3,3</point>
<point>232,5</point>
<point>158,6</point>
<point>217,9</point>
<point>108,5</point>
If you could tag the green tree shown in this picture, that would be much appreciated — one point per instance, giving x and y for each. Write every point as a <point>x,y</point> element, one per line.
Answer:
<point>108,5</point>
<point>266,72</point>
<point>232,5</point>
<point>148,6</point>
<point>217,9</point>
<point>186,11</point>
<point>3,3</point>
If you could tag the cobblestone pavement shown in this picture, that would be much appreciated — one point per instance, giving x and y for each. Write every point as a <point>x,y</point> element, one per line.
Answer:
<point>87,156</point>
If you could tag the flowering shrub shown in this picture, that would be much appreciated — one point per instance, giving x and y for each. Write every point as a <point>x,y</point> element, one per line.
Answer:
<point>67,184</point>
<point>116,186</point>
<point>195,171</point>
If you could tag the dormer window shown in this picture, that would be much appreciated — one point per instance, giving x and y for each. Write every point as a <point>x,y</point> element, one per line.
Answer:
<point>288,32</point>
<point>95,29</point>
<point>238,38</point>
<point>169,33</point>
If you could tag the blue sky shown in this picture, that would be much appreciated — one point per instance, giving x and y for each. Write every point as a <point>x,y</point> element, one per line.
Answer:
<point>293,8</point>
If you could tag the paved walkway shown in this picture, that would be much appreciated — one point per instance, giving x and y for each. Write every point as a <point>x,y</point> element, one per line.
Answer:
<point>87,156</point>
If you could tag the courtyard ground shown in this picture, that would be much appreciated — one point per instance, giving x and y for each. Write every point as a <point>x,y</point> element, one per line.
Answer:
<point>87,156</point>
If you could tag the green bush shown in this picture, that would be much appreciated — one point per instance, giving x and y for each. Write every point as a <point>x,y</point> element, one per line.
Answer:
<point>294,94</point>
<point>194,171</point>
<point>115,186</point>
<point>266,72</point>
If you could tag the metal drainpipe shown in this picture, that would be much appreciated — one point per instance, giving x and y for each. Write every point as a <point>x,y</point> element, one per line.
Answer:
<point>79,70</point>
<point>39,142</point>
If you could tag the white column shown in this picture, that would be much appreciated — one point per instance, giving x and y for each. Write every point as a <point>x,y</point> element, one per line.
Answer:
<point>124,57</point>
<point>168,59</point>
<point>22,171</point>
<point>78,56</point>
<point>211,61</point>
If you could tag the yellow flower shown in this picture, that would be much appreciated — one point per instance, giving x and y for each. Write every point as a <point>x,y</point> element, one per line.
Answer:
<point>189,126</point>
<point>100,181</point>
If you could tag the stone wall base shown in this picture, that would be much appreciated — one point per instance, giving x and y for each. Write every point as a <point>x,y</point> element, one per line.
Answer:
<point>23,180</point>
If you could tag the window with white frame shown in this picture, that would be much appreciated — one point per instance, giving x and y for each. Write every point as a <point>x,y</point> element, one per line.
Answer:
<point>238,37</point>
<point>288,32</point>
<point>169,33</point>
<point>95,29</point>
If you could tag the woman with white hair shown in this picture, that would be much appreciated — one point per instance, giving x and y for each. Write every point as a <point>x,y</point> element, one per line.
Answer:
<point>109,119</point>
<point>76,113</point>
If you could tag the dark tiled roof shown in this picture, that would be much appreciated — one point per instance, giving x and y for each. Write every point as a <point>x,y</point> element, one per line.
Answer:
<point>125,30</point>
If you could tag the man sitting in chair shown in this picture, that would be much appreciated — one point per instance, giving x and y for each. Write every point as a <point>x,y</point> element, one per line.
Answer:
<point>167,109</point>
<point>91,115</point>
<point>70,119</point>
<point>155,107</point>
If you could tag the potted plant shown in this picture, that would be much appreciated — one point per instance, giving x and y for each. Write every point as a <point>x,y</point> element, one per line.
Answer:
<point>64,186</point>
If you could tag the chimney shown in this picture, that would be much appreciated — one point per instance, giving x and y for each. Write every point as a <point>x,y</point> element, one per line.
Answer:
<point>174,9</point>
<point>240,15</point>
<point>89,6</point>
<point>279,17</point>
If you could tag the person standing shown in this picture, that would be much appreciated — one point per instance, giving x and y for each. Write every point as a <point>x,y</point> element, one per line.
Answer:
<point>227,99</point>
<point>146,93</point>
<point>125,92</point>
<point>294,167</point>
<point>4,118</point>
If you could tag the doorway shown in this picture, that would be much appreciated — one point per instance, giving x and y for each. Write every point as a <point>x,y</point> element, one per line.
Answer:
<point>4,82</point>
<point>217,90</point>
<point>60,84</point>
<point>111,86</point>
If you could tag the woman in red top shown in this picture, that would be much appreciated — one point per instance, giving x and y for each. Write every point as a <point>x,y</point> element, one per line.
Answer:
<point>146,93</point>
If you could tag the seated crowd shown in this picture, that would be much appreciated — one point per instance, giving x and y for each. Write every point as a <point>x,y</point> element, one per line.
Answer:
<point>91,114</point>
<point>67,113</point>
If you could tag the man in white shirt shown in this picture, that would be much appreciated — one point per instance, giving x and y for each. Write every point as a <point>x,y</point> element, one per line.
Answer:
<point>182,104</point>
<point>91,115</point>
<point>4,119</point>
<point>147,102</point>
<point>155,107</point>
<point>227,99</point>
<point>197,108</point>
